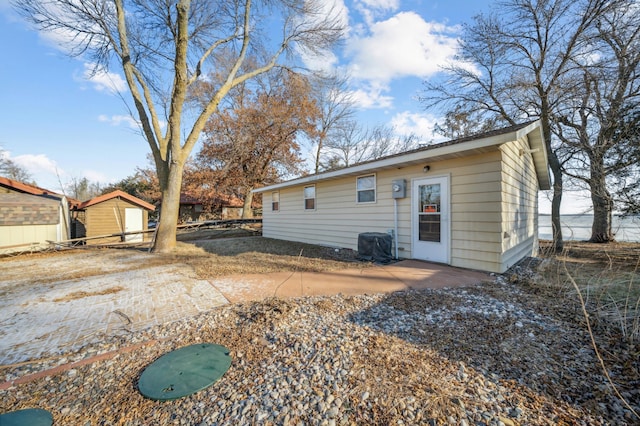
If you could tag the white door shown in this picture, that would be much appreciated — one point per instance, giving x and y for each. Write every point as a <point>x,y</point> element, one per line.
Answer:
<point>430,217</point>
<point>132,223</point>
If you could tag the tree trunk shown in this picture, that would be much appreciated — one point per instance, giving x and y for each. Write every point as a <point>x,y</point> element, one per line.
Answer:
<point>556,171</point>
<point>556,201</point>
<point>318,152</point>
<point>247,211</point>
<point>169,210</point>
<point>601,229</point>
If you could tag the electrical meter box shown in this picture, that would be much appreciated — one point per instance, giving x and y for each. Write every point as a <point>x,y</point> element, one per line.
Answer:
<point>399,188</point>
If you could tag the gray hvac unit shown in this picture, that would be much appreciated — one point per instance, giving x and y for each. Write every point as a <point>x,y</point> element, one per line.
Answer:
<point>375,247</point>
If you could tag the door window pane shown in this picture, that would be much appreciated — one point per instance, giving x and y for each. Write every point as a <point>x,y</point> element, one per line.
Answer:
<point>429,227</point>
<point>429,201</point>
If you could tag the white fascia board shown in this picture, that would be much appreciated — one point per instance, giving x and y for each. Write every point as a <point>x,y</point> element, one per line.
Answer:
<point>397,161</point>
<point>535,137</point>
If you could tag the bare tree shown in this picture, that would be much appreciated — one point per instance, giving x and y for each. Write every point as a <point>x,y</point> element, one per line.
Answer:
<point>355,144</point>
<point>82,189</point>
<point>13,171</point>
<point>164,47</point>
<point>336,107</point>
<point>593,125</point>
<point>517,62</point>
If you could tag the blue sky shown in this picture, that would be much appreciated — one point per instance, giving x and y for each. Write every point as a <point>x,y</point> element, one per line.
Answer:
<point>59,124</point>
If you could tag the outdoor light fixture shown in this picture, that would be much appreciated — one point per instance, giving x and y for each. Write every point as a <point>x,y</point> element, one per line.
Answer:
<point>426,169</point>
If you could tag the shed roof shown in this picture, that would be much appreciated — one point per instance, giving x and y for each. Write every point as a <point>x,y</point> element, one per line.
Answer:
<point>26,209</point>
<point>116,194</point>
<point>26,188</point>
<point>475,144</point>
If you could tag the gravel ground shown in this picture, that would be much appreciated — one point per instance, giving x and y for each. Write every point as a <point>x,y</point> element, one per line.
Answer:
<point>495,354</point>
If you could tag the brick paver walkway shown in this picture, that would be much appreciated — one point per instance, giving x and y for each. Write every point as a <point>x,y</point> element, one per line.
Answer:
<point>42,320</point>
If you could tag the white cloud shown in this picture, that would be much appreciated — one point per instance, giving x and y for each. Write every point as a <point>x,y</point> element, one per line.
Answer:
<point>370,9</point>
<point>117,120</point>
<point>39,163</point>
<point>371,97</point>
<point>95,176</point>
<point>404,45</point>
<point>407,123</point>
<point>103,80</point>
<point>381,4</point>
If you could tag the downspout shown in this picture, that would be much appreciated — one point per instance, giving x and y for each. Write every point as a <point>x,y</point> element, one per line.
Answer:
<point>395,225</point>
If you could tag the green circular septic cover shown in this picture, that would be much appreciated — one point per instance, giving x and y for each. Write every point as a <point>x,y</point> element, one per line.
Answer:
<point>27,417</point>
<point>184,371</point>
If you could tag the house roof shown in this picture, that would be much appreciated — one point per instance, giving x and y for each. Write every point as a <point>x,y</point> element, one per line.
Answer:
<point>117,194</point>
<point>187,199</point>
<point>26,188</point>
<point>475,144</point>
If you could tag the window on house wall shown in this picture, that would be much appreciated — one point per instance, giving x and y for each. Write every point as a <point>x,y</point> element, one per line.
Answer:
<point>366,189</point>
<point>310,197</point>
<point>275,201</point>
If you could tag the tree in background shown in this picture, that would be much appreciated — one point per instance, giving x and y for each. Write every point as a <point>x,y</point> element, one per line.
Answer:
<point>355,144</point>
<point>165,47</point>
<point>336,107</point>
<point>594,124</point>
<point>520,64</point>
<point>13,171</point>
<point>82,189</point>
<point>460,123</point>
<point>627,180</point>
<point>142,184</point>
<point>255,141</point>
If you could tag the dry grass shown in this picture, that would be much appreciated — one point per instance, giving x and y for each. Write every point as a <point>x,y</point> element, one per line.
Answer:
<point>608,276</point>
<point>82,294</point>
<point>215,257</point>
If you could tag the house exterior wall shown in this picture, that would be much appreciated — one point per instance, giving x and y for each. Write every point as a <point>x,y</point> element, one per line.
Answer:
<point>28,222</point>
<point>108,217</point>
<point>22,237</point>
<point>519,203</point>
<point>475,210</point>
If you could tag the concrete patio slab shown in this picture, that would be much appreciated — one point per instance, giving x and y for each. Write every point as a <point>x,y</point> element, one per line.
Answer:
<point>404,275</point>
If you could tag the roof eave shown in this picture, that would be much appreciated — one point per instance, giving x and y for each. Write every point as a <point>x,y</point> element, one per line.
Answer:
<point>403,160</point>
<point>400,161</point>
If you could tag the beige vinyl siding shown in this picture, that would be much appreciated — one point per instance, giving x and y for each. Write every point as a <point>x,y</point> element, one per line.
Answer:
<point>100,219</point>
<point>475,211</point>
<point>520,203</point>
<point>20,237</point>
<point>338,219</point>
<point>493,188</point>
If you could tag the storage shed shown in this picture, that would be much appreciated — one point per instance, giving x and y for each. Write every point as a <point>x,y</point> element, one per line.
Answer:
<point>470,202</point>
<point>112,218</point>
<point>30,217</point>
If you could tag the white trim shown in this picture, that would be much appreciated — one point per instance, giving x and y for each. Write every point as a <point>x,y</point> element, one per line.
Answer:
<point>304,198</point>
<point>272,194</point>
<point>375,189</point>
<point>446,218</point>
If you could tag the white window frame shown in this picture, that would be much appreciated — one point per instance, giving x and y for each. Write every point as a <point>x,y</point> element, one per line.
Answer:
<point>374,189</point>
<point>304,197</point>
<point>275,194</point>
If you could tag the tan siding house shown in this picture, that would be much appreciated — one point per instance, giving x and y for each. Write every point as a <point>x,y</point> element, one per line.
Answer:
<point>469,203</point>
<point>114,213</point>
<point>30,217</point>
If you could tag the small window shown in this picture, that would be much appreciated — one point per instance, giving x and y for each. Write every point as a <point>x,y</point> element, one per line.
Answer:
<point>309,197</point>
<point>366,188</point>
<point>275,201</point>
